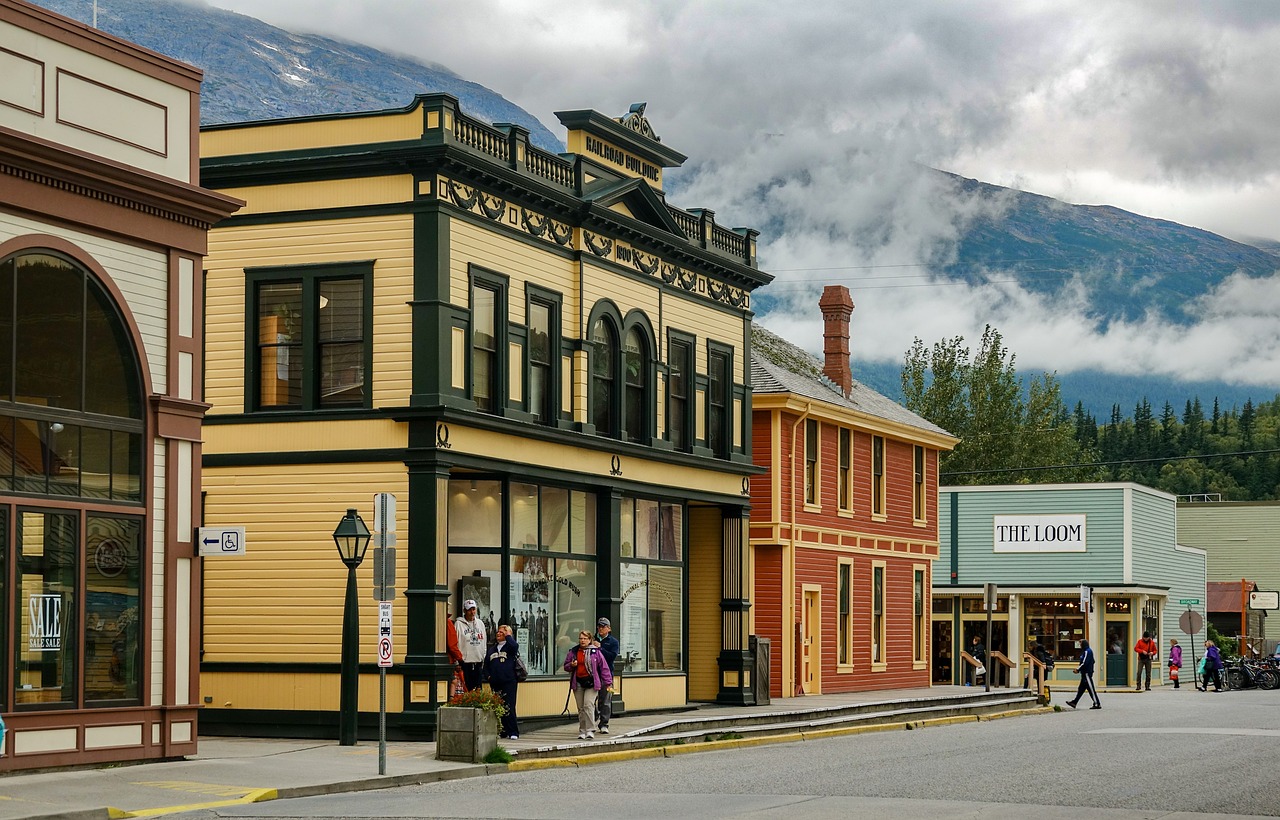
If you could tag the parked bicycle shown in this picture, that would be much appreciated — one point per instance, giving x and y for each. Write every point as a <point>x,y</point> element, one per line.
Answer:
<point>1243,673</point>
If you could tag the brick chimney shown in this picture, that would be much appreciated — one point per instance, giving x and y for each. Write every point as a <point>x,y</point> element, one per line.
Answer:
<point>837,307</point>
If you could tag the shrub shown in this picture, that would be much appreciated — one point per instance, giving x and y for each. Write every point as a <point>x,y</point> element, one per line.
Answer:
<point>498,755</point>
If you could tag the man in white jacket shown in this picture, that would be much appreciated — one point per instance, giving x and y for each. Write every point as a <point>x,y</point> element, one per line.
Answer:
<point>473,643</point>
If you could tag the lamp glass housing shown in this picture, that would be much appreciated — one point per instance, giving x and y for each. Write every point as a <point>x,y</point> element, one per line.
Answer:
<point>352,538</point>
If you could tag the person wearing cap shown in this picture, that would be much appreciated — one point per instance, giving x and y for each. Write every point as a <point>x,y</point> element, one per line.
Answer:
<point>473,642</point>
<point>608,646</point>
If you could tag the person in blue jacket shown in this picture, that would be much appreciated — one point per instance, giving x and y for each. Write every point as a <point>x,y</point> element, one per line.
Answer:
<point>608,646</point>
<point>1212,667</point>
<point>500,671</point>
<point>1085,670</point>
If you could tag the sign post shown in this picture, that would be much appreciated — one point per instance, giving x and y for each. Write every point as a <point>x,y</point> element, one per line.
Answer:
<point>1190,622</point>
<point>989,601</point>
<point>384,591</point>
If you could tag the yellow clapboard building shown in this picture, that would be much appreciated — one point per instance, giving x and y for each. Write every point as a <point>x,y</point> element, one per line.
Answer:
<point>540,358</point>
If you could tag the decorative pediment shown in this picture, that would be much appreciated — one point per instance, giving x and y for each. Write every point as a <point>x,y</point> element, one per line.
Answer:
<point>640,200</point>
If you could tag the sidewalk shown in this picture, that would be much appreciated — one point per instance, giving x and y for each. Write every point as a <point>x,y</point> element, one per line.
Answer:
<point>244,770</point>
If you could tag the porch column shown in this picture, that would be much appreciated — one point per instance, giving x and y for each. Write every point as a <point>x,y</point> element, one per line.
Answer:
<point>736,660</point>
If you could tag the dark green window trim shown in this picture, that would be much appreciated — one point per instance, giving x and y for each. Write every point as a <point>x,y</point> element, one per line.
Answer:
<point>487,361</point>
<point>681,408</point>
<point>639,379</point>
<point>719,433</point>
<point>304,327</point>
<point>551,410</point>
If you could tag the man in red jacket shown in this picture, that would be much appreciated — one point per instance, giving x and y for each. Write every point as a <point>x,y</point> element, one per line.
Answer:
<point>1147,649</point>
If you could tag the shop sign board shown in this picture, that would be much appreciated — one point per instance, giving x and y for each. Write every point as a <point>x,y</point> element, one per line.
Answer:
<point>1264,599</point>
<point>1039,533</point>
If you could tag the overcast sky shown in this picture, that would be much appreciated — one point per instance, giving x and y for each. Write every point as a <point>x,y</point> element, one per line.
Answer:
<point>824,112</point>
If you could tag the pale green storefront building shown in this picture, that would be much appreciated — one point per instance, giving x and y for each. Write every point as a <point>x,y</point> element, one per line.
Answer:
<point>1070,562</point>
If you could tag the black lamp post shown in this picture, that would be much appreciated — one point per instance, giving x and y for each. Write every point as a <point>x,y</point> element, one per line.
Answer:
<point>352,538</point>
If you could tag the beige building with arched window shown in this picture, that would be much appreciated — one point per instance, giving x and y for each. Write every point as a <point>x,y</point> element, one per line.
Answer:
<point>102,230</point>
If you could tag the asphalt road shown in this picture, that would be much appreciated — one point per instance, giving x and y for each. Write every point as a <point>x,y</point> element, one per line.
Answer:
<point>1159,754</point>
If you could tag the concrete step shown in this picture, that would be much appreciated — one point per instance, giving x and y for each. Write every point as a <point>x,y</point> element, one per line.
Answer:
<point>697,728</point>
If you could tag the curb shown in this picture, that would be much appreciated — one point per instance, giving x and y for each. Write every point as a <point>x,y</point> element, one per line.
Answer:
<point>674,750</point>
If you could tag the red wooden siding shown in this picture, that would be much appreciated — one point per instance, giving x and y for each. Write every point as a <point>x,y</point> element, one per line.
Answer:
<point>767,603</point>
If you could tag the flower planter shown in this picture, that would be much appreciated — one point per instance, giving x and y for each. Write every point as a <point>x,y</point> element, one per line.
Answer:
<point>465,734</point>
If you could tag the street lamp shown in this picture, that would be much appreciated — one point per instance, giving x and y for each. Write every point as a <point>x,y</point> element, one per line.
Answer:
<point>352,538</point>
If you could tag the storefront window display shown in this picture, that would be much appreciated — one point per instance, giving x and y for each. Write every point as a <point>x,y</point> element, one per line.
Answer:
<point>651,623</point>
<point>550,566</point>
<point>1056,624</point>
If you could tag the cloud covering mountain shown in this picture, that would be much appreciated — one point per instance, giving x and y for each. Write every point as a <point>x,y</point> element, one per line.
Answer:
<point>838,174</point>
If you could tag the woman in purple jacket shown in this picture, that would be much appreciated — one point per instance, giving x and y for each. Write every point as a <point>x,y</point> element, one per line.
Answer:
<point>1212,667</point>
<point>589,674</point>
<point>1175,661</point>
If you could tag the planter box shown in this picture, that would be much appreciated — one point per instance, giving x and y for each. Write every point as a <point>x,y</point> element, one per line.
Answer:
<point>466,735</point>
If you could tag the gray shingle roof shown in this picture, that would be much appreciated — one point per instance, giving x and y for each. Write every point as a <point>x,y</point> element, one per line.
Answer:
<point>778,366</point>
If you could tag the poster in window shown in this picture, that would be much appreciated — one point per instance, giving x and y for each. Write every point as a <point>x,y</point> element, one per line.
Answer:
<point>633,622</point>
<point>530,594</point>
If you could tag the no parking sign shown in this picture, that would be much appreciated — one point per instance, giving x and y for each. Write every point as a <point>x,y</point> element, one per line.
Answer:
<point>385,647</point>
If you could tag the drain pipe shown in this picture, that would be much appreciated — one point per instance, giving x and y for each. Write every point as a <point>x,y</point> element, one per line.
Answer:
<point>798,688</point>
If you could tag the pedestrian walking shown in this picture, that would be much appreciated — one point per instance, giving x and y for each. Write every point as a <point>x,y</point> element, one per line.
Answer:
<point>500,672</point>
<point>1175,661</point>
<point>1085,670</point>
<point>608,646</point>
<point>1212,667</point>
<point>473,642</point>
<point>979,653</point>
<point>588,674</point>
<point>1147,650</point>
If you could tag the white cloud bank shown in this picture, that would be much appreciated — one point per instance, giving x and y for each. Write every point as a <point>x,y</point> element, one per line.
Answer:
<point>822,115</point>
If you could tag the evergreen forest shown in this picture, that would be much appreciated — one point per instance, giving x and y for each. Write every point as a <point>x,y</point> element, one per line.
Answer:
<point>1014,429</point>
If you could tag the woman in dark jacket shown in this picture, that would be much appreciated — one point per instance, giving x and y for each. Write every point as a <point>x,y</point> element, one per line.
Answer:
<point>500,671</point>
<point>1212,667</point>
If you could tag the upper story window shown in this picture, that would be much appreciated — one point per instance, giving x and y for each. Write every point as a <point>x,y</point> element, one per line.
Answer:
<point>635,362</point>
<point>679,380</point>
<point>877,475</point>
<point>718,385</point>
<point>71,396</point>
<point>311,349</point>
<point>917,484</point>
<point>488,310</point>
<point>604,377</point>
<point>844,473</point>
<point>544,355</point>
<point>811,462</point>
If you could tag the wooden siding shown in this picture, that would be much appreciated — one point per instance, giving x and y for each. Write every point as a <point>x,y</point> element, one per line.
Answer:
<point>472,244</point>
<point>1153,522</point>
<point>1242,539</point>
<point>767,610</point>
<point>385,239</point>
<point>704,619</point>
<point>291,135</point>
<point>329,193</point>
<point>282,601</point>
<point>1101,564</point>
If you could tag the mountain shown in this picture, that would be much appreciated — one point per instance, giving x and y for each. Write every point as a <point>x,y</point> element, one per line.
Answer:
<point>254,71</point>
<point>1131,266</point>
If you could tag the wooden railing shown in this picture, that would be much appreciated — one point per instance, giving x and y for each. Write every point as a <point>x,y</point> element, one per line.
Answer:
<point>1037,674</point>
<point>483,138</point>
<point>1003,671</point>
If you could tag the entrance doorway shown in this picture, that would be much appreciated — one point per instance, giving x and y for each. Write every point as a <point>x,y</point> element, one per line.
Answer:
<point>1117,650</point>
<point>942,652</point>
<point>811,641</point>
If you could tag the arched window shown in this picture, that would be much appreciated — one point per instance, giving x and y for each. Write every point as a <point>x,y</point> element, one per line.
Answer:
<point>635,365</point>
<point>70,388</point>
<point>604,377</point>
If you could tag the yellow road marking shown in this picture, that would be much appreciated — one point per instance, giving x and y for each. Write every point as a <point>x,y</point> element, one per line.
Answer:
<point>216,789</point>
<point>253,796</point>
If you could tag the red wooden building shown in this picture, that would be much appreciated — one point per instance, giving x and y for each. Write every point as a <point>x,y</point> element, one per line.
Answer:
<point>844,523</point>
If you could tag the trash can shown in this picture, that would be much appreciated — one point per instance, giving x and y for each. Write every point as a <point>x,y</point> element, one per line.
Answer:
<point>761,648</point>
